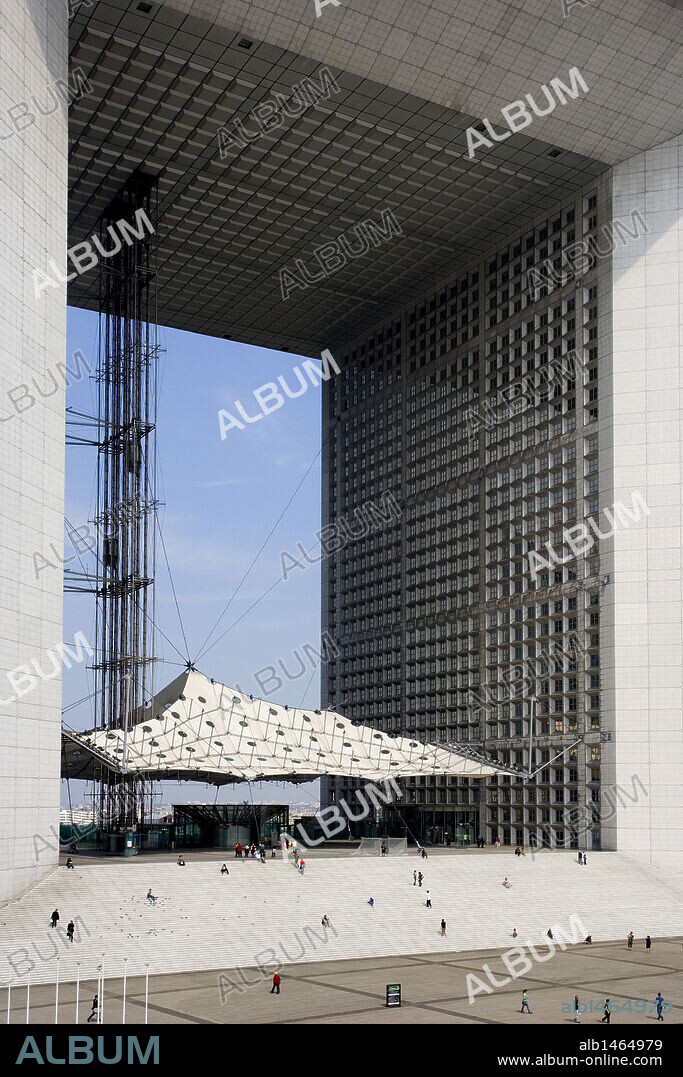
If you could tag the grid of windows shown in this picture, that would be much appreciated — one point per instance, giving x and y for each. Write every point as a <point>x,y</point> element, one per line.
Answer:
<point>477,411</point>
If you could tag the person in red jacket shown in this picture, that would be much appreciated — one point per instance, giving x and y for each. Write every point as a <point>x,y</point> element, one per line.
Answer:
<point>276,984</point>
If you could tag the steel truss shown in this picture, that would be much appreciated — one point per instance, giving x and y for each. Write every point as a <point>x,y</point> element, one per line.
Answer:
<point>126,488</point>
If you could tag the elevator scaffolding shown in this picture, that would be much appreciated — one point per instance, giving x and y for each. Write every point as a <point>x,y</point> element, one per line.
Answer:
<point>126,486</point>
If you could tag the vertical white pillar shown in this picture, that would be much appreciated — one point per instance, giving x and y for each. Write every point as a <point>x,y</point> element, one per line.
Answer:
<point>33,192</point>
<point>642,450</point>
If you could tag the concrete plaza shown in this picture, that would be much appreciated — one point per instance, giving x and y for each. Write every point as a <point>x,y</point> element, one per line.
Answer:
<point>434,991</point>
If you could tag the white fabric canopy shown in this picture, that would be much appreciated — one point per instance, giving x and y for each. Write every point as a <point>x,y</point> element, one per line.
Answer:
<point>210,732</point>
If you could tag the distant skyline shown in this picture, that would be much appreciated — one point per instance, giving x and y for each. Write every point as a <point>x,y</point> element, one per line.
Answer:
<point>219,501</point>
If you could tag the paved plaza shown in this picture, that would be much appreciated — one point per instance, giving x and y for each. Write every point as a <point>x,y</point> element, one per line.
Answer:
<point>434,991</point>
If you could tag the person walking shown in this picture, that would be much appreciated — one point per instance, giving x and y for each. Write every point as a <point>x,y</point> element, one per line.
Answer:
<point>420,877</point>
<point>443,928</point>
<point>629,941</point>
<point>371,903</point>
<point>414,878</point>
<point>150,897</point>
<point>506,884</point>
<point>273,850</point>
<point>577,1010</point>
<point>424,853</point>
<point>93,1011</point>
<point>54,919</point>
<point>70,928</point>
<point>549,933</point>
<point>525,1003</point>
<point>276,983</point>
<point>302,866</point>
<point>580,857</point>
<point>607,1016</point>
<point>585,860</point>
<point>428,902</point>
<point>224,870</point>
<point>69,864</point>
<point>514,933</point>
<point>238,850</point>
<point>660,1005</point>
<point>326,921</point>
<point>648,944</point>
<point>383,848</point>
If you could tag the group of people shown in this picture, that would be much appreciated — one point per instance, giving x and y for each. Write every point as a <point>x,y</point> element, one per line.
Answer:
<point>582,858</point>
<point>519,851</point>
<point>245,852</point>
<point>607,1012</point>
<point>630,940</point>
<point>70,927</point>
<point>417,878</point>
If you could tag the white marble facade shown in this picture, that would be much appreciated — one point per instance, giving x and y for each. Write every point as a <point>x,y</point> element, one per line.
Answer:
<point>33,180</point>
<point>641,446</point>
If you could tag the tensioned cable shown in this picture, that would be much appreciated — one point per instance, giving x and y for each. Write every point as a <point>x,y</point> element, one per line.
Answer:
<point>170,576</point>
<point>147,615</point>
<point>313,673</point>
<point>204,649</point>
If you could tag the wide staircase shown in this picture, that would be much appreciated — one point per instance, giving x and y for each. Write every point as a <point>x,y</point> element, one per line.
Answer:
<point>262,913</point>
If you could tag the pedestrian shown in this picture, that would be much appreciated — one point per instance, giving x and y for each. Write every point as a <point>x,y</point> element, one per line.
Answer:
<point>607,1016</point>
<point>420,877</point>
<point>238,850</point>
<point>54,919</point>
<point>497,843</point>
<point>273,850</point>
<point>224,870</point>
<point>585,860</point>
<point>424,853</point>
<point>580,857</point>
<point>371,903</point>
<point>506,884</point>
<point>523,852</point>
<point>414,878</point>
<point>150,897</point>
<point>93,1011</point>
<point>518,851</point>
<point>660,1004</point>
<point>181,861</point>
<point>384,848</point>
<point>525,1002</point>
<point>428,902</point>
<point>514,933</point>
<point>629,941</point>
<point>588,941</point>
<point>443,928</point>
<point>276,983</point>
<point>70,928</point>
<point>577,1010</point>
<point>549,933</point>
<point>69,864</point>
<point>648,944</point>
<point>326,921</point>
<point>302,865</point>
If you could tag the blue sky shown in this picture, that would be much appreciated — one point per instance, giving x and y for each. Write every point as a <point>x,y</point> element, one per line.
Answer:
<point>220,500</point>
